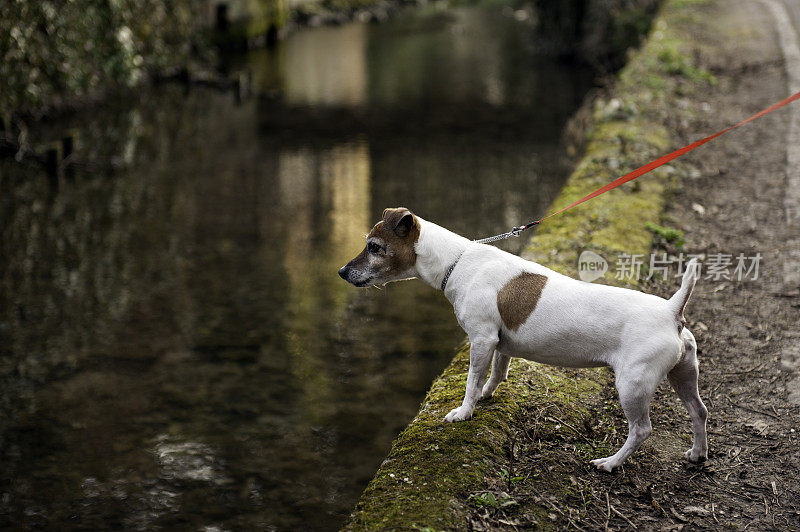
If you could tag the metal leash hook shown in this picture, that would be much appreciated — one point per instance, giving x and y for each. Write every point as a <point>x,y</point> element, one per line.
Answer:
<point>515,231</point>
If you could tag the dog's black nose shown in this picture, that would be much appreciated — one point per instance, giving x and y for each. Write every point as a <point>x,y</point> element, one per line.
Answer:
<point>343,272</point>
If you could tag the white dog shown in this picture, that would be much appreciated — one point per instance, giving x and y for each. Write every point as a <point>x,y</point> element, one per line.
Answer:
<point>512,307</point>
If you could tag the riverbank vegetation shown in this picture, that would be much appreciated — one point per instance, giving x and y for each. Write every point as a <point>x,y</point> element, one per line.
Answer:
<point>53,54</point>
<point>57,55</point>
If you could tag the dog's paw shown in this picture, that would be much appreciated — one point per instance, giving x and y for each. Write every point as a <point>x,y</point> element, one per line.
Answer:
<point>458,414</point>
<point>606,464</point>
<point>695,457</point>
<point>487,393</point>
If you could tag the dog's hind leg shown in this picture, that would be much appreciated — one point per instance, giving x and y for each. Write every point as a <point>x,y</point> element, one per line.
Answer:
<point>480,356</point>
<point>683,378</point>
<point>635,392</point>
<point>499,374</point>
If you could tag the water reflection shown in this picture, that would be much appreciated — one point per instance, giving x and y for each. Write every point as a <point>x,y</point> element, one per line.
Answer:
<point>433,55</point>
<point>338,77</point>
<point>176,349</point>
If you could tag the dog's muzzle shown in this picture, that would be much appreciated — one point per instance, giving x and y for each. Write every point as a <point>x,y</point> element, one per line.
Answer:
<point>346,273</point>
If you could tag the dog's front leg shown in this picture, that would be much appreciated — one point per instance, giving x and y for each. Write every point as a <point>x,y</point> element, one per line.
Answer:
<point>480,356</point>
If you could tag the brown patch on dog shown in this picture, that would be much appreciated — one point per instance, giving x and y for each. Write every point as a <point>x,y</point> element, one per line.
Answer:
<point>517,299</point>
<point>399,230</point>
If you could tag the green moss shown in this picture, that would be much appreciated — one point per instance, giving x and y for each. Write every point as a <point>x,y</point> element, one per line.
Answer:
<point>667,234</point>
<point>434,466</point>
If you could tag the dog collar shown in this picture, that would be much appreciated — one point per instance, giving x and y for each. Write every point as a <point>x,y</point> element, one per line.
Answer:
<point>449,271</point>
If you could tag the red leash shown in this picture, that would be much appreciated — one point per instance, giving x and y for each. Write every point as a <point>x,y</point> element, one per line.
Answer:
<point>630,176</point>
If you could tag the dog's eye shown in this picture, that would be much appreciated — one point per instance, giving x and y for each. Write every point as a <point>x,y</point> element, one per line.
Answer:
<point>374,248</point>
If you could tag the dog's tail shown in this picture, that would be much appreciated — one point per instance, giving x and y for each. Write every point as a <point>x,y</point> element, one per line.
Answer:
<point>678,301</point>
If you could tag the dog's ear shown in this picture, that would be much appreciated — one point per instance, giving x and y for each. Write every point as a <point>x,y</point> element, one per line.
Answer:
<point>405,224</point>
<point>400,220</point>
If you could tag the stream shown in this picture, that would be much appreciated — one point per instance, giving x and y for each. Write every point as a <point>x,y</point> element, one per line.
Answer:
<point>177,350</point>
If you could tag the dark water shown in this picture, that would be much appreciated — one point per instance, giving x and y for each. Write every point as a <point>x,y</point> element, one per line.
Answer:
<point>176,349</point>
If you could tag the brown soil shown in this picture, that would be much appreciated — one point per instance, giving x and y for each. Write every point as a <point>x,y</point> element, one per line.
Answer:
<point>752,478</point>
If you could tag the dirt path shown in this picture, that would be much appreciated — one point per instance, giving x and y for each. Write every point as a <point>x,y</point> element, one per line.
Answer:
<point>748,332</point>
<point>752,476</point>
<point>753,471</point>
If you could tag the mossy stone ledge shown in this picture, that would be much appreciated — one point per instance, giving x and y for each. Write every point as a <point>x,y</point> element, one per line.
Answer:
<point>433,466</point>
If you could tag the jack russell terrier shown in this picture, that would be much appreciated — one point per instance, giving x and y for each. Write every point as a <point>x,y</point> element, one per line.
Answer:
<point>513,307</point>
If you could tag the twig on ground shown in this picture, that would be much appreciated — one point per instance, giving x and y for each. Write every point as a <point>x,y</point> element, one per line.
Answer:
<point>745,371</point>
<point>734,493</point>
<point>576,431</point>
<point>621,515</point>
<point>753,410</point>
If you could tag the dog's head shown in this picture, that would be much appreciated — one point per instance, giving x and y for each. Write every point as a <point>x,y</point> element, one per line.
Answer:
<point>389,254</point>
